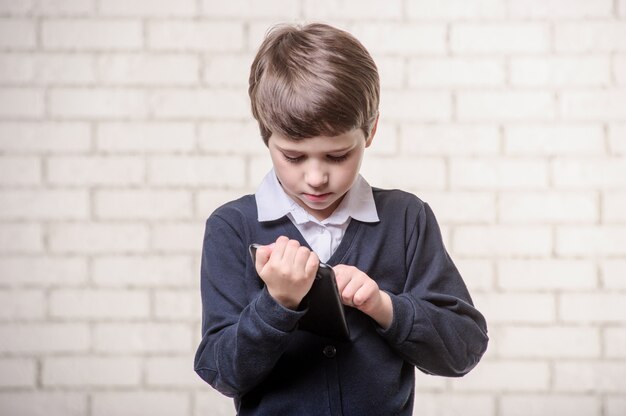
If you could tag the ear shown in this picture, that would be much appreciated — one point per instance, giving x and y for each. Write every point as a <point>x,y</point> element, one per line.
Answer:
<point>369,140</point>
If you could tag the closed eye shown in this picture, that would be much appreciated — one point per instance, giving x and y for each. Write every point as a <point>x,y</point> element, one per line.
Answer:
<point>337,159</point>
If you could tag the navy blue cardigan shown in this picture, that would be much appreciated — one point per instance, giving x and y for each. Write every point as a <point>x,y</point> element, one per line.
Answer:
<point>251,347</point>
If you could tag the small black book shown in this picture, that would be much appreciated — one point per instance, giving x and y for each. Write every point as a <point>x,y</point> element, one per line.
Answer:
<point>324,315</point>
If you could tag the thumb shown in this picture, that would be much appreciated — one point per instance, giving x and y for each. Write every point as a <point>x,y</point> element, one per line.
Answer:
<point>263,254</point>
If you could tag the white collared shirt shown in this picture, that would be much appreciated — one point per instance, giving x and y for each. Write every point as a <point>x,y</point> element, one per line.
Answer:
<point>323,236</point>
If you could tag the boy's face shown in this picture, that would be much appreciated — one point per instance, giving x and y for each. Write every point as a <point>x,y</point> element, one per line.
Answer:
<point>317,172</point>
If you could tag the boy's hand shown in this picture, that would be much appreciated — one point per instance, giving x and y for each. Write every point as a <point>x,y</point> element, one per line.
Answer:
<point>360,291</point>
<point>288,270</point>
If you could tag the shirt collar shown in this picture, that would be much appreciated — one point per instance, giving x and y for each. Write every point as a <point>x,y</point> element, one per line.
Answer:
<point>273,203</point>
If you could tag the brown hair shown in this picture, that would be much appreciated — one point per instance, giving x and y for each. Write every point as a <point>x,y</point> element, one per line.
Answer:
<point>313,80</point>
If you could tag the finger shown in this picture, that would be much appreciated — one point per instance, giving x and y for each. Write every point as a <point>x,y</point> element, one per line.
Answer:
<point>342,276</point>
<point>289,255</point>
<point>365,293</point>
<point>300,259</point>
<point>279,248</point>
<point>261,258</point>
<point>348,292</point>
<point>312,264</point>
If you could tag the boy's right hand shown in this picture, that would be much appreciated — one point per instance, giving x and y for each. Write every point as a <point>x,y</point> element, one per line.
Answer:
<point>288,270</point>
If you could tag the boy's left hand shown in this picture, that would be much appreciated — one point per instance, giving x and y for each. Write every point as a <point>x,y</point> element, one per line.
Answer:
<point>360,291</point>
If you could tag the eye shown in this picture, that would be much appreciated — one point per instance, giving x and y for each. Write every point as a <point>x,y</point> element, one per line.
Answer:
<point>337,159</point>
<point>293,159</point>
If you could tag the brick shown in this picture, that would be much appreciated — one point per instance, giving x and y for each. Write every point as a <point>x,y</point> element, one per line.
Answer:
<point>593,105</point>
<point>410,106</point>
<point>117,338</point>
<point>226,70</point>
<point>197,170</point>
<point>589,376</point>
<point>589,173</point>
<point>449,140</point>
<point>543,275</point>
<point>20,271</point>
<point>17,373</point>
<point>21,103</point>
<point>22,305</point>
<point>499,37</point>
<point>98,103</point>
<point>477,274</point>
<point>84,371</point>
<point>401,38</point>
<point>594,36</point>
<point>143,271</point>
<point>144,69</point>
<point>478,207</point>
<point>561,71</point>
<point>44,204</point>
<point>143,204</point>
<point>44,138</point>
<point>405,173</point>
<point>231,137</point>
<point>502,241</point>
<point>201,104</point>
<point>59,338</point>
<point>614,207</point>
<point>561,9</point>
<point>17,33</point>
<point>489,376</point>
<point>385,142</point>
<point>148,8</point>
<point>554,140</point>
<point>392,72</point>
<point>613,271</point>
<point>616,406</point>
<point>98,238</point>
<point>248,9</point>
<point>91,35</point>
<point>619,69</point>
<point>513,308</point>
<point>615,342</point>
<point>592,307</point>
<point>211,402</point>
<point>20,403</point>
<point>552,404</point>
<point>209,201</point>
<point>456,72</point>
<point>178,305</point>
<point>435,404</point>
<point>505,106</point>
<point>21,238</point>
<point>172,372</point>
<point>64,7</point>
<point>16,8</point>
<point>195,35</point>
<point>46,69</point>
<point>498,174</point>
<point>95,170</point>
<point>548,207</point>
<point>20,170</point>
<point>96,304</point>
<point>621,6</point>
<point>591,240</point>
<point>548,342</point>
<point>352,9</point>
<point>178,237</point>
<point>152,137</point>
<point>455,9</point>
<point>259,166</point>
<point>140,403</point>
<point>617,139</point>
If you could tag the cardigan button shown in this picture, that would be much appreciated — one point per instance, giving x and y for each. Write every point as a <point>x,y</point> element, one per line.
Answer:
<point>329,351</point>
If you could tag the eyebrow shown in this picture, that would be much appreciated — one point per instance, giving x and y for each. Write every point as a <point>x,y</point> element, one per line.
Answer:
<point>340,150</point>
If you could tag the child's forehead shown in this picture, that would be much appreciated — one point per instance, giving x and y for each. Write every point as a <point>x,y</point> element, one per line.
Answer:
<point>344,141</point>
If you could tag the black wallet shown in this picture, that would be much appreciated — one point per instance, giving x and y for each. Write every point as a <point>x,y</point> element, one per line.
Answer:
<point>324,315</point>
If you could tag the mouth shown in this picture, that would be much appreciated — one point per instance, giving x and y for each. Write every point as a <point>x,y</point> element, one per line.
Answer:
<point>317,197</point>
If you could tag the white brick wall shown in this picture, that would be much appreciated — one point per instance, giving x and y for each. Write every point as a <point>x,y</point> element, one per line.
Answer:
<point>123,124</point>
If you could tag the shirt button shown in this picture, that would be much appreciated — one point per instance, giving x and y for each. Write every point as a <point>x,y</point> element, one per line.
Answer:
<point>329,351</point>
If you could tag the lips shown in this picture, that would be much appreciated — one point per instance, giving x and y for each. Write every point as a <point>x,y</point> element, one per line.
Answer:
<point>317,197</point>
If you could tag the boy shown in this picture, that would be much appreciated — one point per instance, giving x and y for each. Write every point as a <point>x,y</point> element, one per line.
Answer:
<point>315,92</point>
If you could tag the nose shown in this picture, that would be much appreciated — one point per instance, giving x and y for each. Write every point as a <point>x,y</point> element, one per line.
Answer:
<point>316,175</point>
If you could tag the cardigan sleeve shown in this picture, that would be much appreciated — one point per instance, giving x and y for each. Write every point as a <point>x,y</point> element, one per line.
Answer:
<point>435,325</point>
<point>244,331</point>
